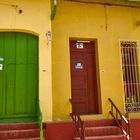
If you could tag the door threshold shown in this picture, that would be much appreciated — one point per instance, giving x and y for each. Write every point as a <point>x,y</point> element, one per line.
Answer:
<point>91,116</point>
<point>135,115</point>
<point>18,120</point>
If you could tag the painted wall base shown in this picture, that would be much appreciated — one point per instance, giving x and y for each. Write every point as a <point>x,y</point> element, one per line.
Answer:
<point>60,131</point>
<point>135,129</point>
<point>66,130</point>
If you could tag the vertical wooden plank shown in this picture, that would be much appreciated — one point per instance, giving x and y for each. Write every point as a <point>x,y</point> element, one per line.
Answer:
<point>92,83</point>
<point>1,74</point>
<point>21,79</point>
<point>9,73</point>
<point>10,90</point>
<point>32,73</point>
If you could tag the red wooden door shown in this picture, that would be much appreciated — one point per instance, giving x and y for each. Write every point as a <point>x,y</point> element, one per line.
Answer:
<point>83,78</point>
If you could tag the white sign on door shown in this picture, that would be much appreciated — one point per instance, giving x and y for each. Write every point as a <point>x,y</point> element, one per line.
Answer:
<point>1,66</point>
<point>1,58</point>
<point>79,45</point>
<point>78,66</point>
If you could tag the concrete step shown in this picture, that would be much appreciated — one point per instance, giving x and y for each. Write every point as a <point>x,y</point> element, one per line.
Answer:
<point>102,131</point>
<point>111,137</point>
<point>19,126</point>
<point>99,122</point>
<point>12,134</point>
<point>20,131</point>
<point>26,139</point>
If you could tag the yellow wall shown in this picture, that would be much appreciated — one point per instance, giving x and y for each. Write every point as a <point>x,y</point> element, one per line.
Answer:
<point>35,18</point>
<point>73,20</point>
<point>90,21</point>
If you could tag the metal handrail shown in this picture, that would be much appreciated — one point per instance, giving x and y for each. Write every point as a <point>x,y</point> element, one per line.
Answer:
<point>80,127</point>
<point>124,123</point>
<point>40,121</point>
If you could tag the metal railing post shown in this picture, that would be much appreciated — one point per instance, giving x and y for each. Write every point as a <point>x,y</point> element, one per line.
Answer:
<point>40,121</point>
<point>124,124</point>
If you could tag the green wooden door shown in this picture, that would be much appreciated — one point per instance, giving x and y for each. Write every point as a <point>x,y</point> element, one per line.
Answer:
<point>18,77</point>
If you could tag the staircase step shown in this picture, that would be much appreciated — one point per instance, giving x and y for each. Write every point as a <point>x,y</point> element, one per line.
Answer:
<point>20,131</point>
<point>102,130</point>
<point>112,137</point>
<point>12,134</point>
<point>99,122</point>
<point>19,126</point>
<point>26,139</point>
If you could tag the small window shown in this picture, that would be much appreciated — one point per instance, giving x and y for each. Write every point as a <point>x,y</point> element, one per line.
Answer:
<point>131,80</point>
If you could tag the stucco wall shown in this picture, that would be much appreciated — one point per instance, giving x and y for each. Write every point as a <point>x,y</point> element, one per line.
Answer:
<point>35,18</point>
<point>107,24</point>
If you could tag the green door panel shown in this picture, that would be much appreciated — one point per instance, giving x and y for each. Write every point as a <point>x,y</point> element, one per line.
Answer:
<point>19,77</point>
<point>10,90</point>
<point>1,76</point>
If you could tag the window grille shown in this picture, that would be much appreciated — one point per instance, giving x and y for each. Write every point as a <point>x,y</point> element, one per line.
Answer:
<point>130,68</point>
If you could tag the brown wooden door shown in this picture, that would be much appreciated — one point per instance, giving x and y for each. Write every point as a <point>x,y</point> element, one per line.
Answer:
<point>83,78</point>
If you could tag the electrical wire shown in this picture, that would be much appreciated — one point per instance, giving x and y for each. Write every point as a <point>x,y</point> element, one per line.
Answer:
<point>107,4</point>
